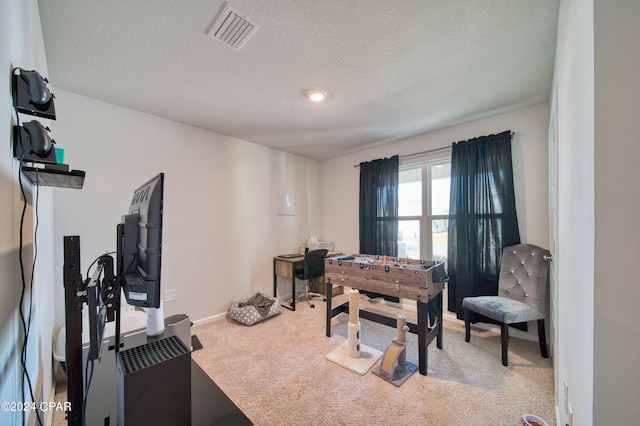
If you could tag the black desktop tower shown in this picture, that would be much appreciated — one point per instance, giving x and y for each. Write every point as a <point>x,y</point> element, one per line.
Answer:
<point>154,384</point>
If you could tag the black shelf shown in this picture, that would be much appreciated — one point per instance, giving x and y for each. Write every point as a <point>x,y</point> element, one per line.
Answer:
<point>73,179</point>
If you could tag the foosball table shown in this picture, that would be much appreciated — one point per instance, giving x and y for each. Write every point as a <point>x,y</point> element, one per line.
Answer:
<point>419,280</point>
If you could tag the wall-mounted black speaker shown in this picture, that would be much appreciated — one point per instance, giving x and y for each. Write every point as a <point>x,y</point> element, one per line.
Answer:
<point>31,142</point>
<point>31,94</point>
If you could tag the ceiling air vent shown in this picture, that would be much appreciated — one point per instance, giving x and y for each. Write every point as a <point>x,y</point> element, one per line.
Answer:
<point>232,29</point>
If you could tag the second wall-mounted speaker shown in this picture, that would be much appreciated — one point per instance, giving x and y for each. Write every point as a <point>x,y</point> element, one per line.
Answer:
<point>31,142</point>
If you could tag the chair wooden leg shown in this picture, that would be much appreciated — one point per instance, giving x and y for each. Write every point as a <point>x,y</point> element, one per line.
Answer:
<point>504,335</point>
<point>543,339</point>
<point>467,326</point>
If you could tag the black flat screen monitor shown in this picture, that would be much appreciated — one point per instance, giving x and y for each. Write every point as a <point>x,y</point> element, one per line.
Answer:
<point>140,245</point>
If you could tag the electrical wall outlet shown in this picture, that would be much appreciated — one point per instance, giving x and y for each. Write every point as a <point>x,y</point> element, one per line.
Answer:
<point>170,295</point>
<point>570,416</point>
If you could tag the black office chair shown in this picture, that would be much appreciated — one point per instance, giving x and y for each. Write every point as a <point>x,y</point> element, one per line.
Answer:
<point>313,268</point>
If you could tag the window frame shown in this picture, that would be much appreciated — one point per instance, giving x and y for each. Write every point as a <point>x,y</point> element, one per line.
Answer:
<point>426,219</point>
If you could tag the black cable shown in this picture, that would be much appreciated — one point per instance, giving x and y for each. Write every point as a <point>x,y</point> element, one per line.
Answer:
<point>25,327</point>
<point>35,251</point>
<point>25,371</point>
<point>96,260</point>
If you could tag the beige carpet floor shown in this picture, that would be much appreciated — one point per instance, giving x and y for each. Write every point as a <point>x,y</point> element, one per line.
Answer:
<point>277,374</point>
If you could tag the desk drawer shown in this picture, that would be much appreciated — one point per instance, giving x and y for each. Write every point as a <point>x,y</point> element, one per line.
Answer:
<point>284,269</point>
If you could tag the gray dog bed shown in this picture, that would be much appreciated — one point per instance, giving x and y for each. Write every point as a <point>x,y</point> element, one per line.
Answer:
<point>257,308</point>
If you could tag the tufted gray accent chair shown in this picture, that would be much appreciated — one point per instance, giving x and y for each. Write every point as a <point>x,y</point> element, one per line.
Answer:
<point>521,295</point>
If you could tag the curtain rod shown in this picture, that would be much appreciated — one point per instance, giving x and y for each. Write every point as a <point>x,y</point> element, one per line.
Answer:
<point>430,151</point>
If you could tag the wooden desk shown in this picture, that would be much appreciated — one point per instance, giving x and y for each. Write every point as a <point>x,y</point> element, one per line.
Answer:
<point>288,267</point>
<point>419,280</point>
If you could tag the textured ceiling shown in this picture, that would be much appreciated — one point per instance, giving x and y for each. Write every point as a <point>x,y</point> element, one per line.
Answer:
<point>392,68</point>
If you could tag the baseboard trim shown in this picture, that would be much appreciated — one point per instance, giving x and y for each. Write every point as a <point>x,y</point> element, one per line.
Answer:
<point>209,319</point>
<point>48,415</point>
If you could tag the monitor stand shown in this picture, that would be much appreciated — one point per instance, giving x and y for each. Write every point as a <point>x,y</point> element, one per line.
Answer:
<point>155,321</point>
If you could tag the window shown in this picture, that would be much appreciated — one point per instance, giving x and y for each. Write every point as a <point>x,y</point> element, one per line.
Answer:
<point>423,210</point>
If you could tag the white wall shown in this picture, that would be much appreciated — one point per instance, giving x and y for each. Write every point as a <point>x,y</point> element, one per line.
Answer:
<point>616,327</point>
<point>575,257</point>
<point>22,46</point>
<point>340,179</point>
<point>220,229</point>
<point>597,63</point>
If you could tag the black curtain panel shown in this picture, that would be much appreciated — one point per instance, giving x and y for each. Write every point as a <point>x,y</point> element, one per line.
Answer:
<point>482,216</point>
<point>379,207</point>
<point>379,210</point>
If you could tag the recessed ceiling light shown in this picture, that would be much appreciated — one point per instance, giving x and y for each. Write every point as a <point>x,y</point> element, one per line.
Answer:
<point>316,95</point>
